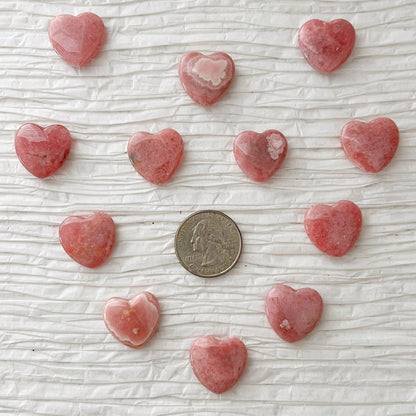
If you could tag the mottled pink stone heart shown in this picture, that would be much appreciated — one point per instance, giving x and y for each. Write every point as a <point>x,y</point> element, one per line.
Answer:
<point>78,39</point>
<point>293,314</point>
<point>88,240</point>
<point>334,229</point>
<point>156,156</point>
<point>326,45</point>
<point>206,78</point>
<point>370,146</point>
<point>218,364</point>
<point>133,321</point>
<point>259,155</point>
<point>42,151</point>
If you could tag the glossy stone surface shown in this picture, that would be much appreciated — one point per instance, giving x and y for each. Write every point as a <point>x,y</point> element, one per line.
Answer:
<point>133,321</point>
<point>259,155</point>
<point>334,229</point>
<point>156,156</point>
<point>293,314</point>
<point>326,45</point>
<point>89,239</point>
<point>370,146</point>
<point>206,78</point>
<point>218,364</point>
<point>42,151</point>
<point>78,39</point>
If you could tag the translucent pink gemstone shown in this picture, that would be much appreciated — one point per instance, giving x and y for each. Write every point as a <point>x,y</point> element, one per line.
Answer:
<point>259,155</point>
<point>326,46</point>
<point>370,146</point>
<point>156,156</point>
<point>42,151</point>
<point>133,321</point>
<point>218,364</point>
<point>78,39</point>
<point>334,229</point>
<point>293,314</point>
<point>206,78</point>
<point>89,240</point>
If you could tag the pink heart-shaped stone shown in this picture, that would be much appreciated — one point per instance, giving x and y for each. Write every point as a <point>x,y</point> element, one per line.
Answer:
<point>206,78</point>
<point>156,156</point>
<point>334,229</point>
<point>293,314</point>
<point>88,239</point>
<point>370,146</point>
<point>326,45</point>
<point>259,155</point>
<point>133,321</point>
<point>42,151</point>
<point>218,364</point>
<point>78,39</point>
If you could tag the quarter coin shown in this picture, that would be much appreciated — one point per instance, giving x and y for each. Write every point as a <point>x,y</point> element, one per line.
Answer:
<point>208,243</point>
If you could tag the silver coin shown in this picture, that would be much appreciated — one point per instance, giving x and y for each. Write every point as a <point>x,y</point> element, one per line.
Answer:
<point>208,243</point>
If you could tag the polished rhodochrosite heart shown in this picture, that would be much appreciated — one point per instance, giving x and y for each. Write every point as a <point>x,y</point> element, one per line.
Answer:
<point>88,239</point>
<point>334,229</point>
<point>370,146</point>
<point>78,39</point>
<point>133,321</point>
<point>206,78</point>
<point>293,314</point>
<point>156,156</point>
<point>259,155</point>
<point>218,364</point>
<point>42,151</point>
<point>326,45</point>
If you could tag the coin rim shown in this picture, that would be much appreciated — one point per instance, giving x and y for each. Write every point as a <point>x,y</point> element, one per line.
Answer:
<point>215,212</point>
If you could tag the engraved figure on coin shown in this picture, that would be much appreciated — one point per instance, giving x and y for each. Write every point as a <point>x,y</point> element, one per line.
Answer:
<point>208,239</point>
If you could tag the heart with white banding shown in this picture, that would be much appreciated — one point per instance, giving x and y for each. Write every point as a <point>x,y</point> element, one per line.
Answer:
<point>133,321</point>
<point>206,78</point>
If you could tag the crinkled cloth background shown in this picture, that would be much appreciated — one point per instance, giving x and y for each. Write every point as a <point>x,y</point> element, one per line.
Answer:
<point>57,358</point>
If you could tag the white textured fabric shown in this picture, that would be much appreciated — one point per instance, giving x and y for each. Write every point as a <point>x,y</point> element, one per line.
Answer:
<point>56,356</point>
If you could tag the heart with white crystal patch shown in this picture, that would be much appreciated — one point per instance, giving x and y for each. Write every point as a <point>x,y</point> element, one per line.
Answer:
<point>293,314</point>
<point>259,155</point>
<point>206,78</point>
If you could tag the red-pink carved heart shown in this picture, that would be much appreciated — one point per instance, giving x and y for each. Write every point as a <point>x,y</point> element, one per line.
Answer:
<point>133,321</point>
<point>78,39</point>
<point>259,155</point>
<point>218,364</point>
<point>334,229</point>
<point>293,314</point>
<point>88,239</point>
<point>156,156</point>
<point>42,151</point>
<point>206,78</point>
<point>370,146</point>
<point>326,46</point>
